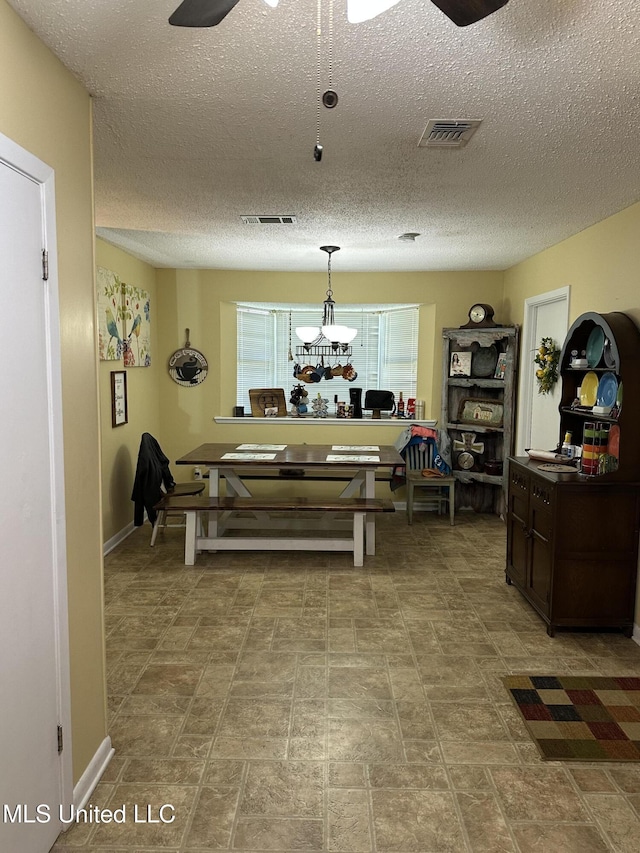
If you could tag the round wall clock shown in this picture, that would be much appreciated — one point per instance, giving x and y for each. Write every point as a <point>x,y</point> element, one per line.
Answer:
<point>187,366</point>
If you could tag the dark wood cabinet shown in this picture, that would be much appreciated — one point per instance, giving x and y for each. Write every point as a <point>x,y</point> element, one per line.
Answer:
<point>572,546</point>
<point>572,539</point>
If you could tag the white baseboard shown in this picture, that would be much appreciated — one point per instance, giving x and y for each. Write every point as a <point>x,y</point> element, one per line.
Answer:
<point>91,776</point>
<point>110,544</point>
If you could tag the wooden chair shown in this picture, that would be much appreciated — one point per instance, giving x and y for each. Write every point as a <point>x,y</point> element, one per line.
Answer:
<point>418,459</point>
<point>153,481</point>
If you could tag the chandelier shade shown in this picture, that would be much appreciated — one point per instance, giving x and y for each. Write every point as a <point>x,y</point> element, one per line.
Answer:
<point>307,334</point>
<point>364,10</point>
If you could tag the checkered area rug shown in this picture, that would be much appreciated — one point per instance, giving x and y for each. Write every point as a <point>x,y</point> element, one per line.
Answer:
<point>580,718</point>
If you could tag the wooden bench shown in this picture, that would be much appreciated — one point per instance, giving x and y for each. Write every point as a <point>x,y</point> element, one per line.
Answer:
<point>193,506</point>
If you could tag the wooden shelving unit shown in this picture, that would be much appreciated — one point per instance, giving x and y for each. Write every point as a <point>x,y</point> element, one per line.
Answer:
<point>478,488</point>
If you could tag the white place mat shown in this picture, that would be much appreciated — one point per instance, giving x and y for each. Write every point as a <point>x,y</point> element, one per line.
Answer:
<point>343,457</point>
<point>261,447</point>
<point>355,447</point>
<point>248,457</point>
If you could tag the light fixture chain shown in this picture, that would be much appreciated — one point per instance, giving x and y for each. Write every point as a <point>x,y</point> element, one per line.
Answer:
<point>290,356</point>
<point>318,70</point>
<point>331,44</point>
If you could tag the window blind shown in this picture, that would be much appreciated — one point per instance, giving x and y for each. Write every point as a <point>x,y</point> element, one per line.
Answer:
<point>385,350</point>
<point>399,351</point>
<point>256,351</point>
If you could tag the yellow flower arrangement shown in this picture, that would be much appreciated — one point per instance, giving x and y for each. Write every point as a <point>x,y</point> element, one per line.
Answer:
<point>547,359</point>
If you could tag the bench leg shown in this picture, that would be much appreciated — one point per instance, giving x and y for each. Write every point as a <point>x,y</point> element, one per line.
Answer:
<point>358,538</point>
<point>190,538</point>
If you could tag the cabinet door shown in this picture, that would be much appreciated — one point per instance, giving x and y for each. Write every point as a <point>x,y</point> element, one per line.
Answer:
<point>541,533</point>
<point>517,526</point>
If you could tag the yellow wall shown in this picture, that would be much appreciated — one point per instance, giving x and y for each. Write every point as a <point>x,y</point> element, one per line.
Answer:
<point>601,264</point>
<point>46,111</point>
<point>120,444</point>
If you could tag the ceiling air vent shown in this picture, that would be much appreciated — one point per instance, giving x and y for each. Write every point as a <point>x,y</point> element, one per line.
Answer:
<point>448,134</point>
<point>269,220</point>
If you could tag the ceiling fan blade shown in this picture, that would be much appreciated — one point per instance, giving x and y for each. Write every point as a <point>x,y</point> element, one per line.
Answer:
<point>465,12</point>
<point>201,13</point>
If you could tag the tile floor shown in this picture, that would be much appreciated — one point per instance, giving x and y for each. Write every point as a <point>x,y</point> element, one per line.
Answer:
<point>291,702</point>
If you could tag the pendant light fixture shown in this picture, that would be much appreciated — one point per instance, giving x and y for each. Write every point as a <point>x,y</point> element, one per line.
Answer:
<point>330,337</point>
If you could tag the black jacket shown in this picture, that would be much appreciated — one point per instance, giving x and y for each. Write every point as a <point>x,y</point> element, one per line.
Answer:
<point>152,472</point>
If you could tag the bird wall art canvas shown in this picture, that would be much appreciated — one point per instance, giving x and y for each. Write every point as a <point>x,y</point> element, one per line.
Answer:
<point>109,307</point>
<point>136,327</point>
<point>124,329</point>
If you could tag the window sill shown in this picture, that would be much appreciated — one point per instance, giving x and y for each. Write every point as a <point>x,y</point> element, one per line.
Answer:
<point>368,422</point>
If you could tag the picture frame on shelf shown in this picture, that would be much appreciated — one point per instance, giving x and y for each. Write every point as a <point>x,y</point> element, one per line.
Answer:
<point>268,402</point>
<point>460,364</point>
<point>501,366</point>
<point>480,411</point>
<point>119,402</point>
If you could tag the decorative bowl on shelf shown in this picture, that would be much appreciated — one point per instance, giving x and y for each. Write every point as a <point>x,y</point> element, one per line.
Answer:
<point>595,346</point>
<point>493,467</point>
<point>607,390</point>
<point>589,389</point>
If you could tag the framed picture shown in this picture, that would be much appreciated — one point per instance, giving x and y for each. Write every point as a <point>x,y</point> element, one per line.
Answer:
<point>460,364</point>
<point>501,366</point>
<point>267,402</point>
<point>483,412</point>
<point>119,410</point>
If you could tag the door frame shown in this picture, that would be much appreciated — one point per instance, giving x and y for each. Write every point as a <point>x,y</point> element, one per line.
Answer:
<point>22,161</point>
<point>528,343</point>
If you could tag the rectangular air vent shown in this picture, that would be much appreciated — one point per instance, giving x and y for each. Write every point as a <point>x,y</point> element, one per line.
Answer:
<point>448,134</point>
<point>269,220</point>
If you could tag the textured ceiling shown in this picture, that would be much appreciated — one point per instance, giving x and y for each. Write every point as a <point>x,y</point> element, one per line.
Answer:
<point>194,128</point>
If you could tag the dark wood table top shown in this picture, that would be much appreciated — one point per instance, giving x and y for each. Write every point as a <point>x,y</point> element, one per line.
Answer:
<point>293,456</point>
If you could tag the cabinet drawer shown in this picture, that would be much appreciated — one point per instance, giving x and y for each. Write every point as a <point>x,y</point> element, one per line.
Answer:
<point>518,481</point>
<point>541,493</point>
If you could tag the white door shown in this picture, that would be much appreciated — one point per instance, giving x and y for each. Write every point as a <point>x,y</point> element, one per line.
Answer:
<point>33,608</point>
<point>546,316</point>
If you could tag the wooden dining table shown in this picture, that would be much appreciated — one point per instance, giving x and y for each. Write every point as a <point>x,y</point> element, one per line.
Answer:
<point>233,464</point>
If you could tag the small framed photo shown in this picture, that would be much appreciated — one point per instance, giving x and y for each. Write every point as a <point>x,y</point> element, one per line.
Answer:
<point>501,366</point>
<point>460,364</point>
<point>119,408</point>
